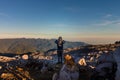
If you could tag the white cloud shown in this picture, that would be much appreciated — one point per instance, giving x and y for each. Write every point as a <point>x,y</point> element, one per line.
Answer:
<point>72,9</point>
<point>108,15</point>
<point>108,19</point>
<point>107,22</point>
<point>3,14</point>
<point>59,25</point>
<point>118,23</point>
<point>68,8</point>
<point>103,23</point>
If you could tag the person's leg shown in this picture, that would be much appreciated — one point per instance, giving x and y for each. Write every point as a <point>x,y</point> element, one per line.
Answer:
<point>58,59</point>
<point>61,58</point>
<point>61,55</point>
<point>58,56</point>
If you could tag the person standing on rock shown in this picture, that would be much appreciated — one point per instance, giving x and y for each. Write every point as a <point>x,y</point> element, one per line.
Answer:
<point>60,43</point>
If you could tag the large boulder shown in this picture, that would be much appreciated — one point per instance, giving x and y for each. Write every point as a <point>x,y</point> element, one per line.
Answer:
<point>117,58</point>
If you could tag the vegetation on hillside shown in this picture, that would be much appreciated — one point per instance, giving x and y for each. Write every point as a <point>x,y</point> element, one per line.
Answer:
<point>23,45</point>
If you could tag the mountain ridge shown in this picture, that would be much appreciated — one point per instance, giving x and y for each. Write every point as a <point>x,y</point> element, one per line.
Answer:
<point>24,45</point>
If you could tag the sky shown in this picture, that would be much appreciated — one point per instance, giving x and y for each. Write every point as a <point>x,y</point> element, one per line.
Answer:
<point>90,21</point>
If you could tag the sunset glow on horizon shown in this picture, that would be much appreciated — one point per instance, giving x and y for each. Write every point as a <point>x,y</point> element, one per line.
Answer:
<point>94,22</point>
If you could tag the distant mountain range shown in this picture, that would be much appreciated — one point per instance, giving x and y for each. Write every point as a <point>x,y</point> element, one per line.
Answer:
<point>23,45</point>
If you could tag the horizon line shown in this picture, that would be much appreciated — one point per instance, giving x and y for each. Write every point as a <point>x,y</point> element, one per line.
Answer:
<point>87,42</point>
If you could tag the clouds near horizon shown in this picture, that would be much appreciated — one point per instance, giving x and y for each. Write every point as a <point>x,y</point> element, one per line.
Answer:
<point>75,20</point>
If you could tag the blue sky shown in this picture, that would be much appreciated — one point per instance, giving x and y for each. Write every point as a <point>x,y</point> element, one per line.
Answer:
<point>91,21</point>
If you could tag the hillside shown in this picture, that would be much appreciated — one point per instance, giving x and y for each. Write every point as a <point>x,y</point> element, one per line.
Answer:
<point>23,45</point>
<point>35,66</point>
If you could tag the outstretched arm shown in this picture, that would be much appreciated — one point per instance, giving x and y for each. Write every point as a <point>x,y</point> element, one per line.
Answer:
<point>56,41</point>
<point>63,41</point>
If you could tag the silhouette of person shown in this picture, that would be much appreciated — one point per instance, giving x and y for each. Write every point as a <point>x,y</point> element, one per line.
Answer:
<point>59,43</point>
